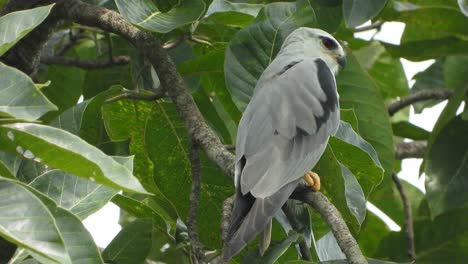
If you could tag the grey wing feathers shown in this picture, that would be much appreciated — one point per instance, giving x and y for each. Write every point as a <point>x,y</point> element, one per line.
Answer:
<point>286,126</point>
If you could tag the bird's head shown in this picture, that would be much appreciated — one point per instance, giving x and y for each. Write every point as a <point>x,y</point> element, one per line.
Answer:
<point>315,43</point>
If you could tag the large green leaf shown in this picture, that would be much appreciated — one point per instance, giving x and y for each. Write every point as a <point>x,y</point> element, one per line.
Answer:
<point>19,97</point>
<point>141,210</point>
<point>127,120</point>
<point>358,91</point>
<point>16,25</point>
<point>131,245</point>
<point>433,48</point>
<point>408,130</point>
<point>255,46</point>
<point>145,14</point>
<point>9,165</point>
<point>446,168</point>
<point>232,14</point>
<point>167,143</point>
<point>442,240</point>
<point>50,233</point>
<point>385,70</point>
<point>425,23</point>
<point>431,78</point>
<point>358,156</point>
<point>77,195</point>
<point>338,187</point>
<point>67,152</point>
<point>356,12</point>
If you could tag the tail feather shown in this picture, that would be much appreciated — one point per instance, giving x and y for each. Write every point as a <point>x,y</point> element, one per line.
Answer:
<point>248,221</point>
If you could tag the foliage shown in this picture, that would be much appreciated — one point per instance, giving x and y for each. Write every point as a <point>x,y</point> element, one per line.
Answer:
<point>62,159</point>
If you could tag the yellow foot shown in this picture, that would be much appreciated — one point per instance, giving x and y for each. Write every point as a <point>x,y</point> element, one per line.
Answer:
<point>312,180</point>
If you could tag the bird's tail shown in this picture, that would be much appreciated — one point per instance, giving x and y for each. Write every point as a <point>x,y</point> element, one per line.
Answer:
<point>251,216</point>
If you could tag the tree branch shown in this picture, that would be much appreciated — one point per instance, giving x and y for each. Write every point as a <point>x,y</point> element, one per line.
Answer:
<point>87,64</point>
<point>415,149</point>
<point>408,224</point>
<point>194,202</point>
<point>330,214</point>
<point>419,96</point>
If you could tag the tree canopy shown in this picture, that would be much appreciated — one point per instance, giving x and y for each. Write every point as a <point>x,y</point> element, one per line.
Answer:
<point>137,103</point>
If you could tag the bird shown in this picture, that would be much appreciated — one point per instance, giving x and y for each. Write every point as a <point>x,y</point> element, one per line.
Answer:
<point>283,132</point>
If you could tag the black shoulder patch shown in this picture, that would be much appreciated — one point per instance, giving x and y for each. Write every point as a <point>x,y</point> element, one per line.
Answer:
<point>327,83</point>
<point>289,66</point>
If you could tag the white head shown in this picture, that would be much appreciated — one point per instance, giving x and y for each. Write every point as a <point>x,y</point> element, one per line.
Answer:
<point>314,43</point>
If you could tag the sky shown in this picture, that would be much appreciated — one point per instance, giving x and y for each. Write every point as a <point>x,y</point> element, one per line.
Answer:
<point>103,225</point>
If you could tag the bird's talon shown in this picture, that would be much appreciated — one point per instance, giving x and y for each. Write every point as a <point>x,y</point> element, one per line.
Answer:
<point>312,180</point>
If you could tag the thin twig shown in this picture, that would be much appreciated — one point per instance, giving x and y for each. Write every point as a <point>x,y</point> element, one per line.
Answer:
<point>408,224</point>
<point>419,96</point>
<point>194,202</point>
<point>377,25</point>
<point>330,214</point>
<point>414,149</point>
<point>88,64</point>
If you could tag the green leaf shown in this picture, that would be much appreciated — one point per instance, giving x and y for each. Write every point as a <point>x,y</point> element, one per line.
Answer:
<point>356,12</point>
<point>385,70</point>
<point>145,14</point>
<point>433,48</point>
<point>141,210</point>
<point>405,129</point>
<point>50,233</point>
<point>20,97</point>
<point>67,152</point>
<point>358,92</point>
<point>446,167</point>
<point>334,186</point>
<point>456,72</point>
<point>79,196</point>
<point>232,14</point>
<point>360,168</point>
<point>329,16</point>
<point>248,56</point>
<point>127,120</point>
<point>9,165</point>
<point>14,26</point>
<point>442,240</point>
<point>431,78</point>
<point>328,249</point>
<point>273,253</point>
<point>167,142</point>
<point>131,245</point>
<point>424,23</point>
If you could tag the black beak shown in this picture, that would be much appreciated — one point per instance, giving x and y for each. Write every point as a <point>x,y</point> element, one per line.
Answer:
<point>341,61</point>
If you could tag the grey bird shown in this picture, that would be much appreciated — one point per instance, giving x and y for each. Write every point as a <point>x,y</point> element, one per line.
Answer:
<point>283,132</point>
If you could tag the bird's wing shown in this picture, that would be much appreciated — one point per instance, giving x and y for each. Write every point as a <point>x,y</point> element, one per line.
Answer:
<point>286,126</point>
<point>282,134</point>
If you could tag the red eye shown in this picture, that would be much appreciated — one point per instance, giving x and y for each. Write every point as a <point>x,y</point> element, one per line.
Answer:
<point>329,43</point>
